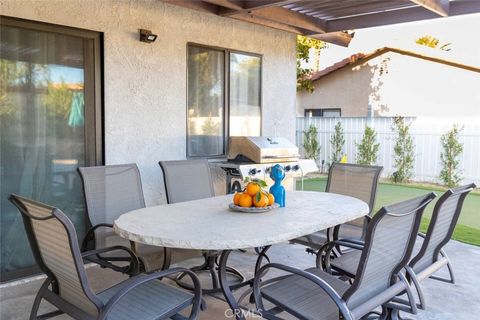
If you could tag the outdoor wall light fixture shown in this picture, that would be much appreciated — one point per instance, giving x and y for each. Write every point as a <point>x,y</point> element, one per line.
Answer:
<point>147,36</point>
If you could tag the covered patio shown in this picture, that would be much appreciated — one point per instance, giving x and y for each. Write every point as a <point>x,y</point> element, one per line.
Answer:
<point>95,89</point>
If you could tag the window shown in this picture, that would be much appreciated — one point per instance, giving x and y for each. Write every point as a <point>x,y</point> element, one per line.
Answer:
<point>50,124</point>
<point>224,99</point>
<point>326,113</point>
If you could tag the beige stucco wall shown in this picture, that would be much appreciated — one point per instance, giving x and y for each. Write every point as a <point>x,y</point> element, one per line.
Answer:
<point>145,84</point>
<point>345,89</point>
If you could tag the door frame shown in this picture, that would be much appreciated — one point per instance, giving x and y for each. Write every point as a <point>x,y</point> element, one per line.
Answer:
<point>93,101</point>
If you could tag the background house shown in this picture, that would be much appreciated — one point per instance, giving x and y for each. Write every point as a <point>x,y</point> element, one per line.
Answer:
<point>389,82</point>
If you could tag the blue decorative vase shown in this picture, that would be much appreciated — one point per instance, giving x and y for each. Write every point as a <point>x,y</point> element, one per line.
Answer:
<point>277,173</point>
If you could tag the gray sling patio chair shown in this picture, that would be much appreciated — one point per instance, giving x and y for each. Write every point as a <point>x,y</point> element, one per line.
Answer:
<point>315,294</point>
<point>111,191</point>
<point>54,244</point>
<point>358,181</point>
<point>187,180</point>
<point>429,256</point>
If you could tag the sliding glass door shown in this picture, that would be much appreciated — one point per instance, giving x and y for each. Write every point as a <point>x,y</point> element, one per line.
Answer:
<point>50,124</point>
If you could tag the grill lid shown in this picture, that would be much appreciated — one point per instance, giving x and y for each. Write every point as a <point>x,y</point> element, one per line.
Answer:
<point>263,149</point>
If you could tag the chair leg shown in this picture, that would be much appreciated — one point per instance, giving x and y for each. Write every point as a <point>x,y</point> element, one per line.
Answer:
<point>38,300</point>
<point>395,315</point>
<point>421,298</point>
<point>449,266</point>
<point>167,258</point>
<point>36,305</point>
<point>209,265</point>
<point>203,305</point>
<point>450,270</point>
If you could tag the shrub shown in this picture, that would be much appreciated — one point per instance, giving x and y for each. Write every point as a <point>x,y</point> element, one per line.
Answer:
<point>367,149</point>
<point>310,143</point>
<point>403,149</point>
<point>338,141</point>
<point>449,158</point>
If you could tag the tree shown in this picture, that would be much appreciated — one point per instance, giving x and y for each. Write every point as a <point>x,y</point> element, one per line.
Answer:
<point>337,141</point>
<point>403,149</point>
<point>310,143</point>
<point>432,42</point>
<point>449,158</point>
<point>58,100</point>
<point>304,44</point>
<point>367,149</point>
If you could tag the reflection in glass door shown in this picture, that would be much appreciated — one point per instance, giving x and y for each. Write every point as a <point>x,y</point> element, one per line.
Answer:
<point>48,126</point>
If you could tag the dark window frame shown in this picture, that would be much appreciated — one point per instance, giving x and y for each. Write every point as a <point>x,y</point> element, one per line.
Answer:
<point>321,110</point>
<point>226,88</point>
<point>93,95</point>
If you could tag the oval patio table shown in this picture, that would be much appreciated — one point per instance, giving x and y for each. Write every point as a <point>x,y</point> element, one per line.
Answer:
<point>208,224</point>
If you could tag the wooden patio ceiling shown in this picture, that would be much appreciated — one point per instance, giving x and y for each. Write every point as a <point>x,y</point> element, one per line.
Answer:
<point>330,20</point>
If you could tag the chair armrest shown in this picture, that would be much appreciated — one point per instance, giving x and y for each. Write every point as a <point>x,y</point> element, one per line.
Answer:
<point>136,281</point>
<point>134,263</point>
<point>350,243</point>
<point>326,250</point>
<point>389,298</point>
<point>336,231</point>
<point>90,233</point>
<point>336,298</point>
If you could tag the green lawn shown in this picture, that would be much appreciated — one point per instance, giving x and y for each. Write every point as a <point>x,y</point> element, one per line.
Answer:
<point>468,228</point>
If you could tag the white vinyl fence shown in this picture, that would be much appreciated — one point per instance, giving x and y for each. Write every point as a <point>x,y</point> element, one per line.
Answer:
<point>426,133</point>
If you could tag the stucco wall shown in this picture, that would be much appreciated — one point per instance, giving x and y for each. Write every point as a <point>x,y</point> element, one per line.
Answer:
<point>345,89</point>
<point>145,84</point>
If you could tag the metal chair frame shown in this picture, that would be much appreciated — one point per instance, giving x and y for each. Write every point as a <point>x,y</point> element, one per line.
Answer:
<point>210,264</point>
<point>373,194</point>
<point>333,234</point>
<point>105,261</point>
<point>50,289</point>
<point>387,298</point>
<point>440,257</point>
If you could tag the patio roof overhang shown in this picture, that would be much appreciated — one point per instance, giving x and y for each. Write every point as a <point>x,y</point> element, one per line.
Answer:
<point>330,20</point>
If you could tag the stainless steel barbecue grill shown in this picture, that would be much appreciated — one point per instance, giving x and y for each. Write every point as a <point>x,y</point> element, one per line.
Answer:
<point>254,156</point>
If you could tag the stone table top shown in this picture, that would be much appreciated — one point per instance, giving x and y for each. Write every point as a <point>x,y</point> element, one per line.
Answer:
<point>208,224</point>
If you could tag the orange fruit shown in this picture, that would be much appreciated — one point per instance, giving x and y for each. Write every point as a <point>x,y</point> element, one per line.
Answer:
<point>236,198</point>
<point>260,200</point>
<point>271,199</point>
<point>253,188</point>
<point>245,200</point>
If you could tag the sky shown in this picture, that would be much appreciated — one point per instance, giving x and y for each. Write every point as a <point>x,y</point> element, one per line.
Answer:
<point>59,73</point>
<point>461,31</point>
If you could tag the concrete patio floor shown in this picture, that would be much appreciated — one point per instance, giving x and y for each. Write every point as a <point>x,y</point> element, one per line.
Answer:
<point>445,301</point>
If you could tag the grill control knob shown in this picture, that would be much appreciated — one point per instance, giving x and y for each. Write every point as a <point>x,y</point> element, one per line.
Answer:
<point>288,168</point>
<point>295,167</point>
<point>254,171</point>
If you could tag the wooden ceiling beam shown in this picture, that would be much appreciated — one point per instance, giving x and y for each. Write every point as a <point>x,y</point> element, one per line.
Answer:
<point>250,5</point>
<point>232,5</point>
<point>398,16</point>
<point>288,17</point>
<point>339,38</point>
<point>440,7</point>
<point>268,23</point>
<point>195,5</point>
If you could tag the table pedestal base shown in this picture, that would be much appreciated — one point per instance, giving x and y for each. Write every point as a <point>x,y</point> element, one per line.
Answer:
<point>209,266</point>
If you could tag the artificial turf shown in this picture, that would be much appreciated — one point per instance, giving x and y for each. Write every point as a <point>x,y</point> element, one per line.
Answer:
<point>468,227</point>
